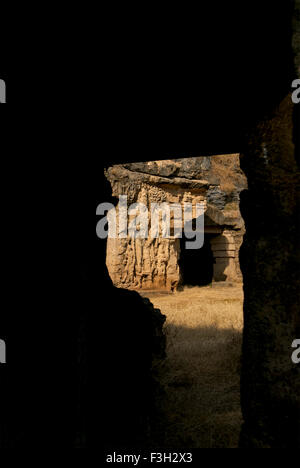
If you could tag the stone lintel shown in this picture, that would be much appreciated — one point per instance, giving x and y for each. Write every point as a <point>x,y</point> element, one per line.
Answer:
<point>223,246</point>
<point>224,253</point>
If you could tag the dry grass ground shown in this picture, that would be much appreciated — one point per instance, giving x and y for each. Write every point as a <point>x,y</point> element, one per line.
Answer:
<point>201,374</point>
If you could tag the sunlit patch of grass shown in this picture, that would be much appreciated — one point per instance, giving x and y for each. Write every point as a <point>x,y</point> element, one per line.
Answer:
<point>201,375</point>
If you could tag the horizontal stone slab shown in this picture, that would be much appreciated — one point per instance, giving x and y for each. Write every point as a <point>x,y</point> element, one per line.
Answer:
<point>223,247</point>
<point>222,240</point>
<point>223,260</point>
<point>224,253</point>
<point>212,230</point>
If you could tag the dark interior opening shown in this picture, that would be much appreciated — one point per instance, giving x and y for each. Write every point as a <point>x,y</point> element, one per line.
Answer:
<point>196,265</point>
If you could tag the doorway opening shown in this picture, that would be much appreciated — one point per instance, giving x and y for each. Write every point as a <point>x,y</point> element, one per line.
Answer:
<point>196,266</point>
<point>204,316</point>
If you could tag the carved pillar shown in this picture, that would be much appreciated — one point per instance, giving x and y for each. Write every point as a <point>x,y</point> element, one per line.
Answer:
<point>224,252</point>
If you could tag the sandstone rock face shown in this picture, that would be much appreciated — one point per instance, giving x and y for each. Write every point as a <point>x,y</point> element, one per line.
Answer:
<point>153,263</point>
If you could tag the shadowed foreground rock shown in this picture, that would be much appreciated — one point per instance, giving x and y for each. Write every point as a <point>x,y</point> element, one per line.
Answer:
<point>271,264</point>
<point>134,345</point>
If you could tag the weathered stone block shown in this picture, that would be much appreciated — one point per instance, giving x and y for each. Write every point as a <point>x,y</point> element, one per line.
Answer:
<point>154,263</point>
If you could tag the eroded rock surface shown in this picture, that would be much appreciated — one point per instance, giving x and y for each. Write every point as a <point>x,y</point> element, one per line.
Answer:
<point>154,263</point>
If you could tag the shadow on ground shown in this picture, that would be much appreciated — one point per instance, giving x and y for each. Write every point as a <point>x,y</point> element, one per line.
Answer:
<point>201,382</point>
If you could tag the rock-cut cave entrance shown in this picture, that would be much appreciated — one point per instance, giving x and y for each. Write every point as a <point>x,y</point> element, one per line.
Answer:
<point>196,265</point>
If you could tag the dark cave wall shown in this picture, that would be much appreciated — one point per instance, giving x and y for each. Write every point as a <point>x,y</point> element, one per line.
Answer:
<point>270,263</point>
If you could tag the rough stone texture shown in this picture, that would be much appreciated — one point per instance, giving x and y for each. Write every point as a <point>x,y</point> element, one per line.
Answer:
<point>154,263</point>
<point>271,262</point>
<point>296,37</point>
